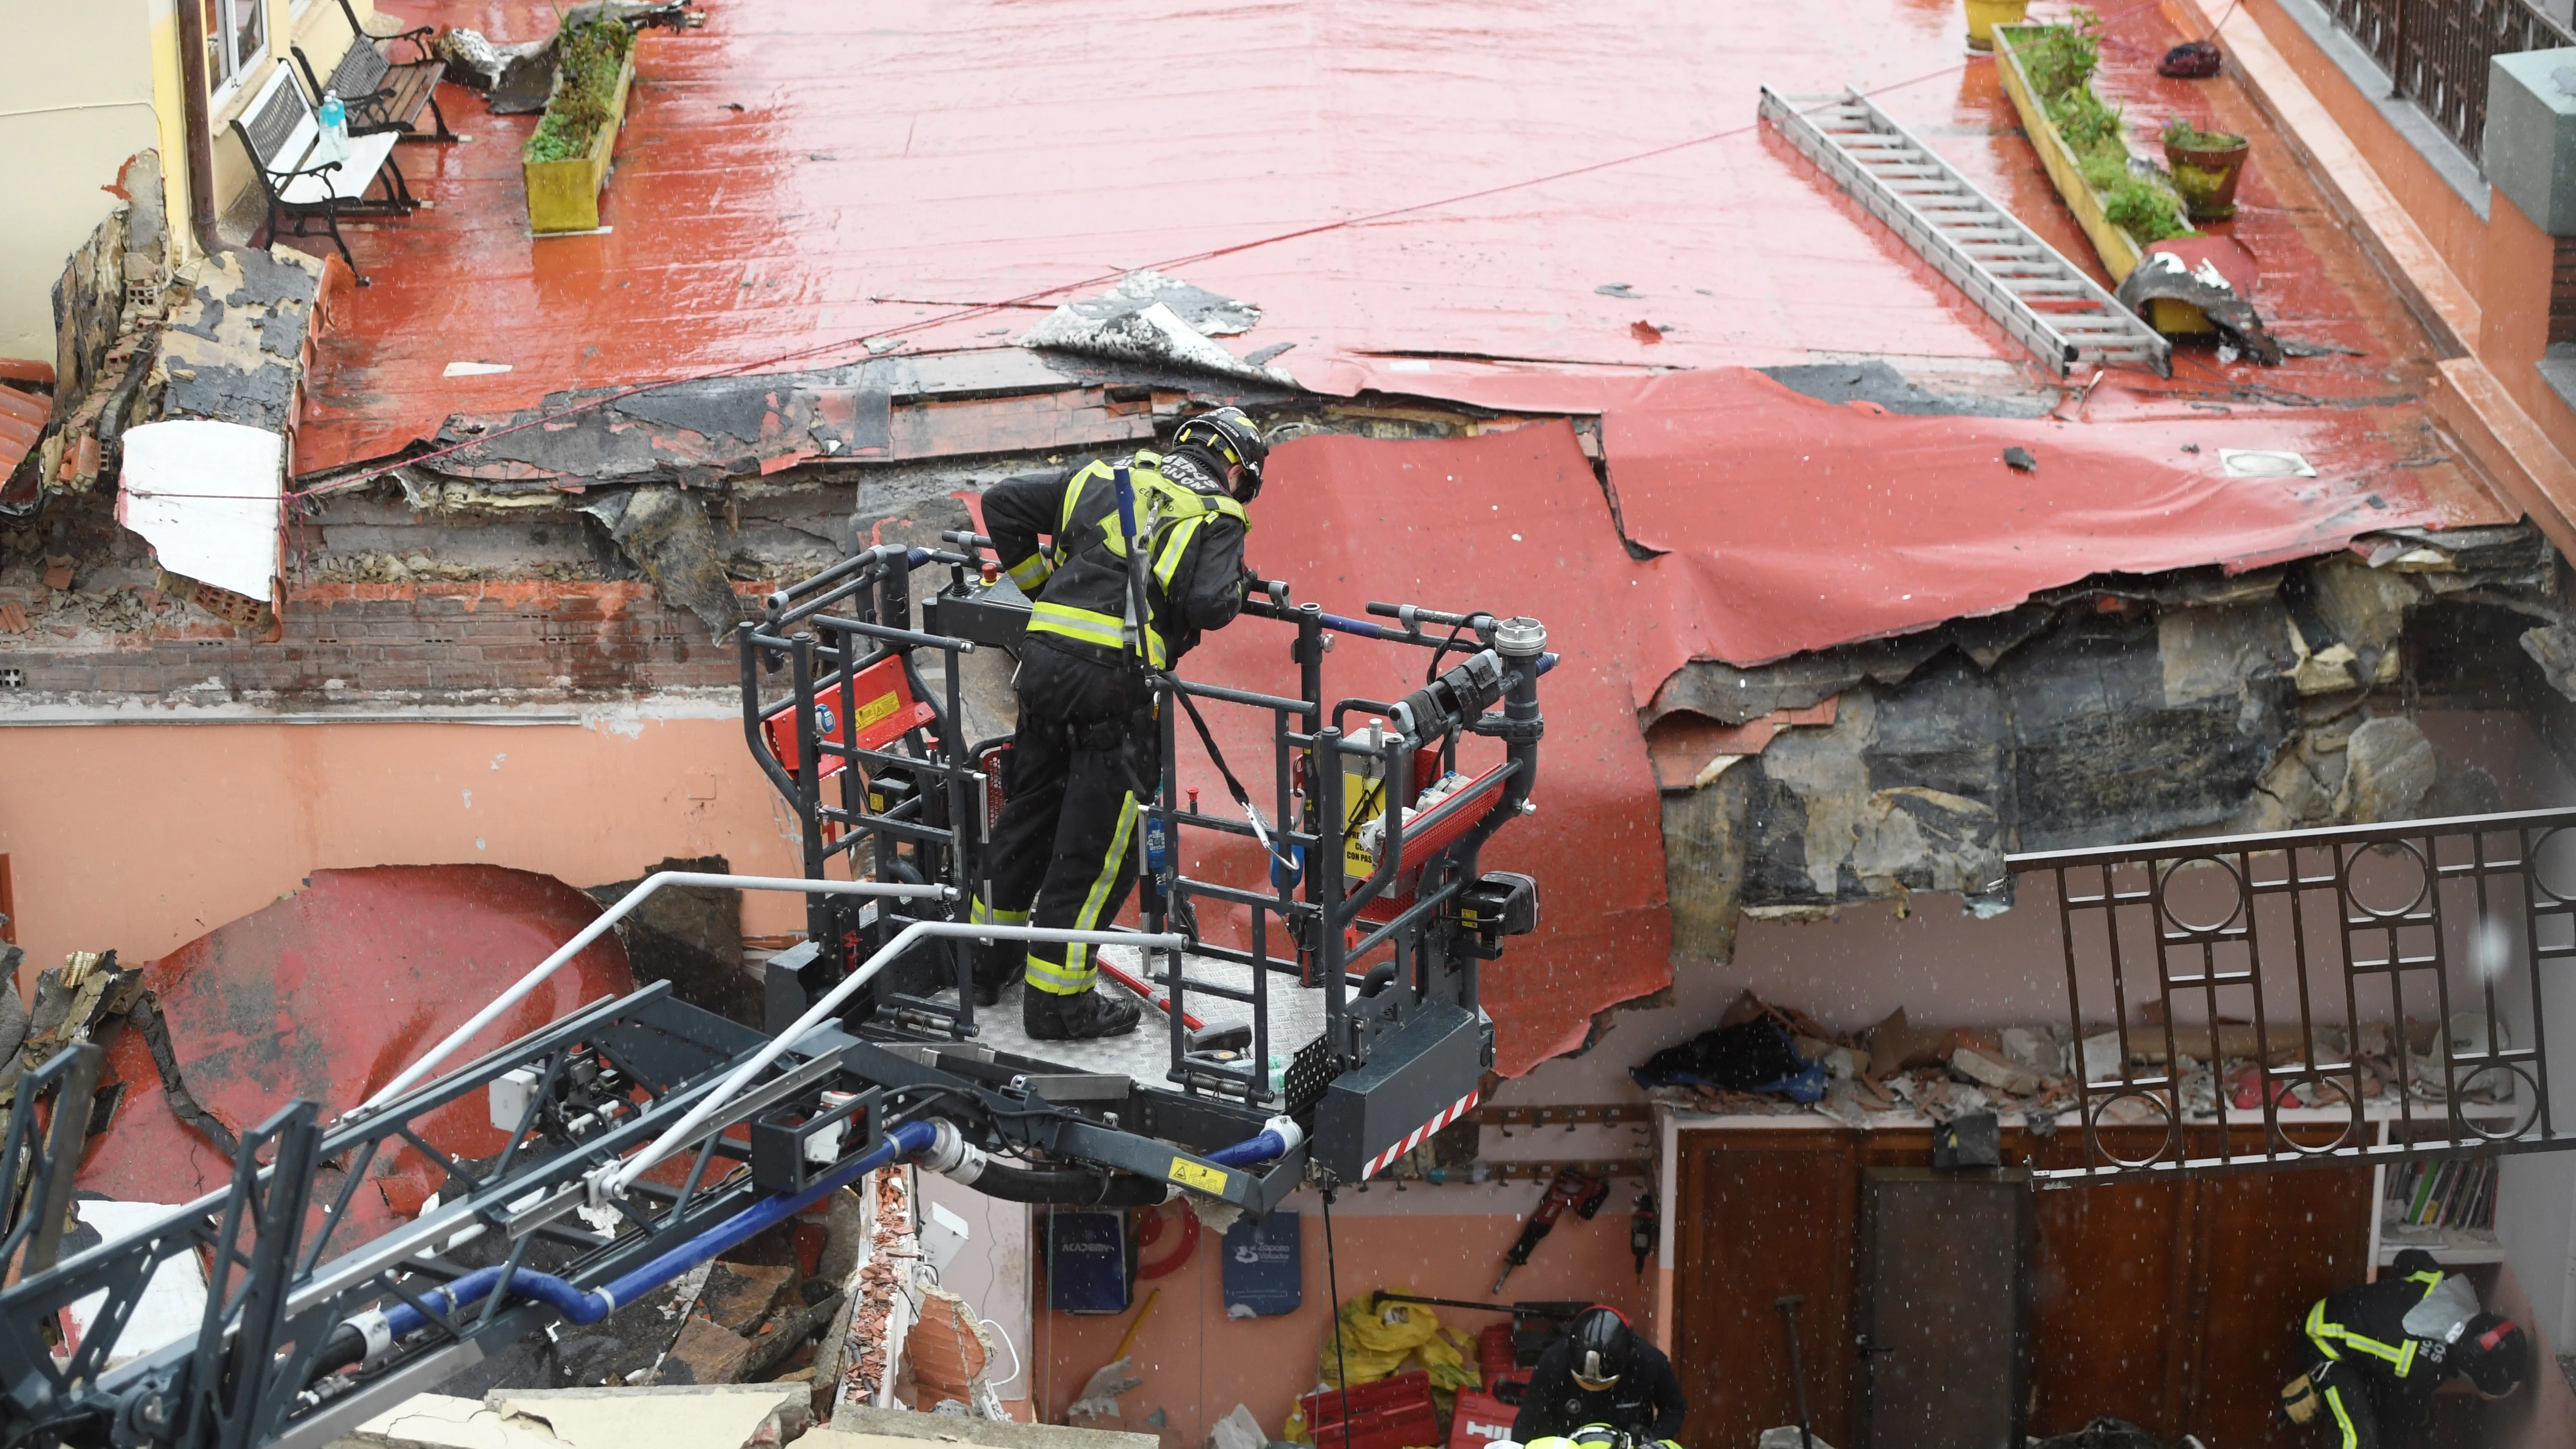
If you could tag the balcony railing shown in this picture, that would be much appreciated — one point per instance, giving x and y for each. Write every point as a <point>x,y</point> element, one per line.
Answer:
<point>2436,52</point>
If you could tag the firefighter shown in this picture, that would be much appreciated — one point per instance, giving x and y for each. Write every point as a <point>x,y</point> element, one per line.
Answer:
<point>1601,1377</point>
<point>1064,850</point>
<point>2375,1353</point>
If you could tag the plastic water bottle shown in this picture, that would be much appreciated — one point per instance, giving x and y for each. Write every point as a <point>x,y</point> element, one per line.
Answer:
<point>1154,846</point>
<point>333,119</point>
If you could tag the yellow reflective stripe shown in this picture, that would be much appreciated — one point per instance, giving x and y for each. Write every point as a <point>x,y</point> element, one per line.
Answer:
<point>2389,1351</point>
<point>1030,572</point>
<point>1058,980</point>
<point>2322,1333</point>
<point>1074,488</point>
<point>1088,919</point>
<point>2351,1435</point>
<point>2430,1281</point>
<point>2406,1360</point>
<point>981,914</point>
<point>1082,624</point>
<point>1172,551</point>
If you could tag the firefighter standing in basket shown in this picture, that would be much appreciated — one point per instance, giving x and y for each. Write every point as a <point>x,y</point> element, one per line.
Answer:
<point>1064,851</point>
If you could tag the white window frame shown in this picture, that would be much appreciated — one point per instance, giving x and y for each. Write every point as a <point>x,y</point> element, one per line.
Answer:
<point>223,34</point>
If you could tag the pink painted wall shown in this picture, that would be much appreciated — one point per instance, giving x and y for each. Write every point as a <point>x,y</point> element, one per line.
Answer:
<point>1443,1242</point>
<point>144,837</point>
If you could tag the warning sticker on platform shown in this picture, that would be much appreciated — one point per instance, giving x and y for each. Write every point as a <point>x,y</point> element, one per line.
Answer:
<point>1198,1175</point>
<point>881,707</point>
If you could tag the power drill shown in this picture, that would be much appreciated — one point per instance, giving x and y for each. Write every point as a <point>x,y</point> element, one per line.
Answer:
<point>1571,1189</point>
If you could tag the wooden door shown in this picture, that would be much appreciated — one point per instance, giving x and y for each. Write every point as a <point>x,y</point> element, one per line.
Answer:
<point>1764,1214</point>
<point>2176,1305</point>
<point>1942,1279</point>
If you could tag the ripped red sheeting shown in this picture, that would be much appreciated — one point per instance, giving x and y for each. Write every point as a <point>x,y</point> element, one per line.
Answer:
<point>327,994</point>
<point>1512,523</point>
<point>1816,524</point>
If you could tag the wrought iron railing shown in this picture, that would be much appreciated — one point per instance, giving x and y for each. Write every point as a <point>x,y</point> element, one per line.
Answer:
<point>2436,52</point>
<point>2363,993</point>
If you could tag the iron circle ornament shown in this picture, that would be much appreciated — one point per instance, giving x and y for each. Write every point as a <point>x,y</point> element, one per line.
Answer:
<point>2157,1098</point>
<point>2352,889</point>
<point>2536,869</point>
<point>2183,920</point>
<point>2526,1095</point>
<point>2357,1125</point>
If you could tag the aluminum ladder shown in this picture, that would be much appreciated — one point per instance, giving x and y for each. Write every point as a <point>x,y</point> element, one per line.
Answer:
<point>2041,298</point>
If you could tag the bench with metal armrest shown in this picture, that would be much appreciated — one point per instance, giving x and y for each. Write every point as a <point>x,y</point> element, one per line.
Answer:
<point>284,140</point>
<point>384,94</point>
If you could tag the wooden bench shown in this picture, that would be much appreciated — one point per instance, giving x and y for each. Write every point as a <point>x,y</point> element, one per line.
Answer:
<point>384,94</point>
<point>278,130</point>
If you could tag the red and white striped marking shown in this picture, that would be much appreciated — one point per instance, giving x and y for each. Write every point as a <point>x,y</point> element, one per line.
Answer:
<point>1456,1110</point>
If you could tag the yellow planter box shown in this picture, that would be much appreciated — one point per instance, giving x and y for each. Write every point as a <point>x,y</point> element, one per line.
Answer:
<point>564,195</point>
<point>2119,253</point>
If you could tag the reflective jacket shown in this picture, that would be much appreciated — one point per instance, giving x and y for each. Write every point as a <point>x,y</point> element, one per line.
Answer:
<point>1078,586</point>
<point>2400,1328</point>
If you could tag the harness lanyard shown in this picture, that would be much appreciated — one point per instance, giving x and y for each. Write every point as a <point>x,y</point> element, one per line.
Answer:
<point>1139,620</point>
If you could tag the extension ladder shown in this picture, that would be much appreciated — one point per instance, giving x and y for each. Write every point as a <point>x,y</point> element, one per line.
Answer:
<point>2045,301</point>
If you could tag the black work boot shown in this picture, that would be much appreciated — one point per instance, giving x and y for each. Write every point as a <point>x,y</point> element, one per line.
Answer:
<point>1083,1016</point>
<point>997,964</point>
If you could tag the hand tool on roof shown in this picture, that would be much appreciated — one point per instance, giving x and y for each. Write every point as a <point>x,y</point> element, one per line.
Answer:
<point>1569,1189</point>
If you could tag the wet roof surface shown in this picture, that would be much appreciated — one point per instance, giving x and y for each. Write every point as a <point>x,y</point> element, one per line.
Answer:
<point>801,173</point>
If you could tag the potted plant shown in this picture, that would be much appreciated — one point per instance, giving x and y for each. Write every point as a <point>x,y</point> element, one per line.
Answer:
<point>2123,203</point>
<point>566,160</point>
<point>2206,167</point>
<point>1985,15</point>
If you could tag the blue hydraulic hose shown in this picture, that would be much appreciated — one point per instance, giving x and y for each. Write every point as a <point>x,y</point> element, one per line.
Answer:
<point>1249,1151</point>
<point>1276,1138</point>
<point>589,1307</point>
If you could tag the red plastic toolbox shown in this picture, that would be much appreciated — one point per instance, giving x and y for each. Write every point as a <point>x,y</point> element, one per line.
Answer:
<point>1392,1413</point>
<point>1479,1420</point>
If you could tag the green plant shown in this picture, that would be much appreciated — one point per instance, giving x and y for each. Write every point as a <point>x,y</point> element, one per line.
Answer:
<point>587,60</point>
<point>2137,204</point>
<point>2061,58</point>
<point>2060,61</point>
<point>2182,134</point>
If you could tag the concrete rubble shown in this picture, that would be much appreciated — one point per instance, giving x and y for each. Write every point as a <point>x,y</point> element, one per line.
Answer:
<point>1893,1074</point>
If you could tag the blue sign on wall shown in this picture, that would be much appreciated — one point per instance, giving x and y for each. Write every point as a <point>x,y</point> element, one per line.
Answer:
<point>1264,1267</point>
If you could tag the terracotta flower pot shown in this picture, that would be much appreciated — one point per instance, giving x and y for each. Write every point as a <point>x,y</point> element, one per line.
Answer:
<point>2207,175</point>
<point>1985,15</point>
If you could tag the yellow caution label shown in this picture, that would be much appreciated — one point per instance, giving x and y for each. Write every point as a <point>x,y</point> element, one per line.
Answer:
<point>1199,1175</point>
<point>879,708</point>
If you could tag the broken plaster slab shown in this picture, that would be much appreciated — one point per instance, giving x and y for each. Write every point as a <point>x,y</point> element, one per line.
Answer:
<point>207,496</point>
<point>234,348</point>
<point>714,1416</point>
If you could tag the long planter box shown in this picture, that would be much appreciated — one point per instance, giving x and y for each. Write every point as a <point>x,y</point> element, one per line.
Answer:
<point>2119,253</point>
<point>564,195</point>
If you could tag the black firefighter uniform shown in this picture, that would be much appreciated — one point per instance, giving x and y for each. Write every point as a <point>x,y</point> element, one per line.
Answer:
<point>1064,850</point>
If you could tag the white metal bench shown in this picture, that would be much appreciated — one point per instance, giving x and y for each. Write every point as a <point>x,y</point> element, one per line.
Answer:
<point>279,131</point>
